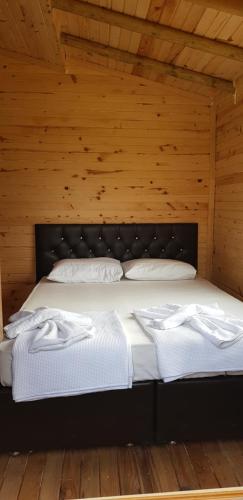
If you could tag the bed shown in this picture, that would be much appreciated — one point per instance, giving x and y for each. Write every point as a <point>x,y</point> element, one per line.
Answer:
<point>152,411</point>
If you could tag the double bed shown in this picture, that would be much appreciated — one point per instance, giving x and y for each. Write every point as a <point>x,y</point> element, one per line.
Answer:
<point>205,405</point>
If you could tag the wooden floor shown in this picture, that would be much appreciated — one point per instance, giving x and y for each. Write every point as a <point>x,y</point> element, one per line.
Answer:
<point>120,471</point>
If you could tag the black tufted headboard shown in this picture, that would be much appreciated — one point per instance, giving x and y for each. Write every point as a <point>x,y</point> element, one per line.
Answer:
<point>121,241</point>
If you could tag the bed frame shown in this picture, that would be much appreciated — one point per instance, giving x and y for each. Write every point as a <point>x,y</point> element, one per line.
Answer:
<point>150,412</point>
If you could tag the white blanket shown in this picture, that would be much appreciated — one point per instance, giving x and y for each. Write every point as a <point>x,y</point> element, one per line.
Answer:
<point>51,328</point>
<point>99,363</point>
<point>184,346</point>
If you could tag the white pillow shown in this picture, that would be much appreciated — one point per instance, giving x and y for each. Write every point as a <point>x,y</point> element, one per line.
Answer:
<point>158,269</point>
<point>90,270</point>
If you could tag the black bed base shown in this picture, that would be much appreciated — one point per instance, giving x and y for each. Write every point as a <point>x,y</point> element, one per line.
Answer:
<point>195,409</point>
<point>149,413</point>
<point>98,419</point>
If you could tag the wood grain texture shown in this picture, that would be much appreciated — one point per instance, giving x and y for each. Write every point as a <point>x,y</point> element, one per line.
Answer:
<point>90,474</point>
<point>145,63</point>
<point>31,28</point>
<point>30,487</point>
<point>139,471</point>
<point>70,482</point>
<point>191,20</point>
<point>95,147</point>
<point>1,307</point>
<point>27,27</point>
<point>211,204</point>
<point>13,477</point>
<point>164,472</point>
<point>209,494</point>
<point>234,6</point>
<point>149,27</point>
<point>204,472</point>
<point>52,474</point>
<point>228,224</point>
<point>109,471</point>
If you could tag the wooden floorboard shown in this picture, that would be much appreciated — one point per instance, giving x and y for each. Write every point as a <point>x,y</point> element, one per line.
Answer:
<point>163,469</point>
<point>109,472</point>
<point>32,477</point>
<point>52,475</point>
<point>128,474</point>
<point>13,477</point>
<point>90,474</point>
<point>144,469</point>
<point>220,465</point>
<point>70,481</point>
<point>205,474</point>
<point>63,475</point>
<point>185,472</point>
<point>234,453</point>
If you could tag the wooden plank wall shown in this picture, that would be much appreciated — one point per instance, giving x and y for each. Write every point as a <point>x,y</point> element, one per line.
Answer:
<point>228,225</point>
<point>95,146</point>
<point>1,309</point>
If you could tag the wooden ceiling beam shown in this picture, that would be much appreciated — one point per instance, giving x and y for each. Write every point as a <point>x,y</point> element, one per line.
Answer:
<point>94,48</point>
<point>149,28</point>
<point>234,7</point>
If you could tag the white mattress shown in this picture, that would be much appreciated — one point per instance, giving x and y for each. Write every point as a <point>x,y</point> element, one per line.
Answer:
<point>124,296</point>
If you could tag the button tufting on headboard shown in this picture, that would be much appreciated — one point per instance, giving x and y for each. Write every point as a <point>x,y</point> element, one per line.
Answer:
<point>120,241</point>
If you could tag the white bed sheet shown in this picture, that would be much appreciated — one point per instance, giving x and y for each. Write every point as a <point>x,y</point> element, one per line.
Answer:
<point>123,296</point>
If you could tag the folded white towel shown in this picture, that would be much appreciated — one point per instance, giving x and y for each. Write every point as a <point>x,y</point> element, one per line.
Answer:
<point>173,315</point>
<point>59,334</point>
<point>222,332</point>
<point>185,350</point>
<point>209,320</point>
<point>51,328</point>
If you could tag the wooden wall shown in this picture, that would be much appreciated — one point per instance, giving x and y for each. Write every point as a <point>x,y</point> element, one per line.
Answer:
<point>95,146</point>
<point>1,308</point>
<point>228,225</point>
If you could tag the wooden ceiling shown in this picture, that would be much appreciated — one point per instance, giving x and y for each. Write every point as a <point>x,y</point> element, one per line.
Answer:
<point>26,26</point>
<point>32,27</point>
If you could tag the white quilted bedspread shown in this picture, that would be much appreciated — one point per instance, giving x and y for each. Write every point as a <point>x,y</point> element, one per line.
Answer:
<point>100,363</point>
